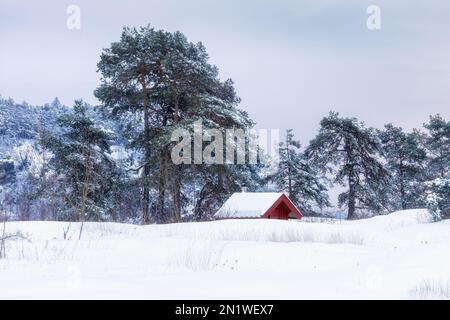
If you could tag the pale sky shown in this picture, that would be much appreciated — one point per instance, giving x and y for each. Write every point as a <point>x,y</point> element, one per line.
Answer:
<point>292,61</point>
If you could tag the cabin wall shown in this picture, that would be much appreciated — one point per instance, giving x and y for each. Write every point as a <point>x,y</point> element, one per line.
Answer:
<point>280,212</point>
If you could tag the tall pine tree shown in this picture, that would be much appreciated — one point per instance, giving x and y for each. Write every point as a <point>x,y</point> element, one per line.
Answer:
<point>155,82</point>
<point>405,161</point>
<point>437,143</point>
<point>130,69</point>
<point>351,152</point>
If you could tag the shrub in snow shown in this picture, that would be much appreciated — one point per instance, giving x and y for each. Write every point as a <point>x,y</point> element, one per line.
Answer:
<point>432,289</point>
<point>438,198</point>
<point>8,236</point>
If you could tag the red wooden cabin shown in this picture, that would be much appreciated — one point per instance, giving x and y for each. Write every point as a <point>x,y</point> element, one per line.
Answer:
<point>268,205</point>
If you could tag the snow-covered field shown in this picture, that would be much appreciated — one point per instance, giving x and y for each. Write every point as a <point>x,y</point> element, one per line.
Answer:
<point>399,256</point>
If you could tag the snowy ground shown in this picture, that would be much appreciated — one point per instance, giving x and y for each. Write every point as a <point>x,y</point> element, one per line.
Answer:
<point>399,256</point>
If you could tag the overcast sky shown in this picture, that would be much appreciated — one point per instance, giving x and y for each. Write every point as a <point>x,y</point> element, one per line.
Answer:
<point>292,61</point>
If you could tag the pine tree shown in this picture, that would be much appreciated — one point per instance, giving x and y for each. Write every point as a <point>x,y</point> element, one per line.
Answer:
<point>81,165</point>
<point>130,71</point>
<point>437,143</point>
<point>406,161</point>
<point>349,150</point>
<point>438,198</point>
<point>165,80</point>
<point>297,176</point>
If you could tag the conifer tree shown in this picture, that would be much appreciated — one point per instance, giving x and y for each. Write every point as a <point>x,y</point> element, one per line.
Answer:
<point>297,176</point>
<point>437,189</point>
<point>349,151</point>
<point>437,143</point>
<point>405,161</point>
<point>82,165</point>
<point>129,71</point>
<point>155,82</point>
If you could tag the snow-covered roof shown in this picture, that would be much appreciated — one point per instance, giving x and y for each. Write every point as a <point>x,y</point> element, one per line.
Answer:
<point>247,204</point>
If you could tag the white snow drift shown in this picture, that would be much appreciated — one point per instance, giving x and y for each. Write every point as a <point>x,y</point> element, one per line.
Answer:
<point>401,255</point>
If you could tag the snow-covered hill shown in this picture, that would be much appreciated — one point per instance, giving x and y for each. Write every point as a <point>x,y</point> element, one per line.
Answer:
<point>401,255</point>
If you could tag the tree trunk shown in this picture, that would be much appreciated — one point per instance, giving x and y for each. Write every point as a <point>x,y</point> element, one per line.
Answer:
<point>402,187</point>
<point>351,197</point>
<point>176,184</point>
<point>351,203</point>
<point>351,181</point>
<point>85,192</point>
<point>146,195</point>
<point>146,171</point>
<point>198,214</point>
<point>177,196</point>
<point>161,189</point>
<point>351,193</point>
